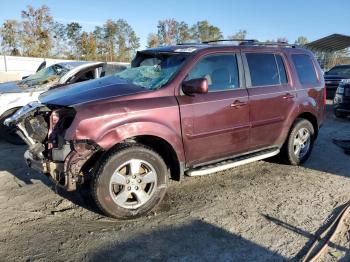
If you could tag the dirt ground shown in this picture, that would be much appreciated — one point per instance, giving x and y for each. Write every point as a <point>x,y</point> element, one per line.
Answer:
<point>258,212</point>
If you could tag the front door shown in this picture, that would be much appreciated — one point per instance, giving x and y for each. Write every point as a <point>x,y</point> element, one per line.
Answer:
<point>215,125</point>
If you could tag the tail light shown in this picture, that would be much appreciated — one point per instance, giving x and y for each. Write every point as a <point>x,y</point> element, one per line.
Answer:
<point>324,95</point>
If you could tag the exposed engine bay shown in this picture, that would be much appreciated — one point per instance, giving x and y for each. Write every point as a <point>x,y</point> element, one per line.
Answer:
<point>43,129</point>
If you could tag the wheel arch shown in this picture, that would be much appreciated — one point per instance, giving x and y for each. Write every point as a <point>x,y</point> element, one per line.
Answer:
<point>9,112</point>
<point>159,145</point>
<point>310,117</point>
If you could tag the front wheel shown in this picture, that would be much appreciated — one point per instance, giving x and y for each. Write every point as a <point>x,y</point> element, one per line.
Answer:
<point>9,133</point>
<point>130,182</point>
<point>299,144</point>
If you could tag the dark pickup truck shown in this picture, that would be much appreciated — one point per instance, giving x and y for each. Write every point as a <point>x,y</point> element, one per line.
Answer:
<point>334,76</point>
<point>184,109</point>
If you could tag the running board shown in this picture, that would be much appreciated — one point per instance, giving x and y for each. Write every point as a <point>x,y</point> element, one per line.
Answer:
<point>238,161</point>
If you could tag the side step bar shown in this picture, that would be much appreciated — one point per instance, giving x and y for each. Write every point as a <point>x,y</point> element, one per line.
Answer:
<point>238,161</point>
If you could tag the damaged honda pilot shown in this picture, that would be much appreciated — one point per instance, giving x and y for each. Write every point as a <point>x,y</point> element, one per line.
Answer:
<point>183,109</point>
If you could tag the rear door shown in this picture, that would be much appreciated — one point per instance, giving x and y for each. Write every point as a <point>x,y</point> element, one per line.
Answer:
<point>216,125</point>
<point>271,97</point>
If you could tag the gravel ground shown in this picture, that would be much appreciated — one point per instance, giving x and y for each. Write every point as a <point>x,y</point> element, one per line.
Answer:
<point>258,212</point>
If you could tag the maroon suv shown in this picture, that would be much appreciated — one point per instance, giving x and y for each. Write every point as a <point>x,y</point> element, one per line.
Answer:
<point>184,109</point>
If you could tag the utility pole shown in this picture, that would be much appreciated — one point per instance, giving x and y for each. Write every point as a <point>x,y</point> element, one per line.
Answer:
<point>5,62</point>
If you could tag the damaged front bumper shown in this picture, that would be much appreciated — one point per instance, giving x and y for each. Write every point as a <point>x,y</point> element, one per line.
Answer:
<point>43,130</point>
<point>66,172</point>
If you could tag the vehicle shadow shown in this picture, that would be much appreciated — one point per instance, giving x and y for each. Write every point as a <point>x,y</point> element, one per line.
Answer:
<point>13,163</point>
<point>312,237</point>
<point>326,156</point>
<point>194,241</point>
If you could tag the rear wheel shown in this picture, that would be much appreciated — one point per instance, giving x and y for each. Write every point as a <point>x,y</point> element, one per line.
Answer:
<point>7,133</point>
<point>299,144</point>
<point>130,182</point>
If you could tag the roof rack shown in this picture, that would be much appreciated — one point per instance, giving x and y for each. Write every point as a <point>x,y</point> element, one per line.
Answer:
<point>252,42</point>
<point>231,40</point>
<point>189,43</point>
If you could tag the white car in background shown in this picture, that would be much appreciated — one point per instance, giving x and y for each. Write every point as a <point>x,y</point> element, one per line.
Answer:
<point>14,95</point>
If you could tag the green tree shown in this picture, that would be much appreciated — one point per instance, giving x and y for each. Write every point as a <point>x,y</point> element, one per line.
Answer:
<point>167,31</point>
<point>127,41</point>
<point>37,23</point>
<point>302,40</point>
<point>10,35</point>
<point>109,36</point>
<point>116,40</point>
<point>203,31</point>
<point>183,33</point>
<point>73,33</point>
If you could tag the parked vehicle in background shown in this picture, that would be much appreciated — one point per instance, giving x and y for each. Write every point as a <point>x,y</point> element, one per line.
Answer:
<point>14,95</point>
<point>333,78</point>
<point>341,102</point>
<point>184,109</point>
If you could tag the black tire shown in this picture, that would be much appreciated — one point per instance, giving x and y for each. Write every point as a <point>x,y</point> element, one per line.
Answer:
<point>287,152</point>
<point>102,190</point>
<point>9,134</point>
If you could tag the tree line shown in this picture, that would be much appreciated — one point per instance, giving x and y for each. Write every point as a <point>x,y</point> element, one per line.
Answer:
<point>37,34</point>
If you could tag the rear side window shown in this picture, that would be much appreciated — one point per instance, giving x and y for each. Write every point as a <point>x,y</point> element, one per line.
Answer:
<point>264,70</point>
<point>305,69</point>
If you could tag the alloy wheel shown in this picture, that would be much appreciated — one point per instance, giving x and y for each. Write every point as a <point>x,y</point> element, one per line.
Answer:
<point>133,183</point>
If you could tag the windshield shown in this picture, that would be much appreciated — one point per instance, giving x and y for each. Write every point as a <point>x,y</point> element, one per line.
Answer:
<point>51,74</point>
<point>340,71</point>
<point>152,71</point>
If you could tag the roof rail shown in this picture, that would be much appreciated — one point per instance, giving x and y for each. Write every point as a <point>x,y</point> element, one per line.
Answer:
<point>252,42</point>
<point>189,43</point>
<point>283,44</point>
<point>231,40</point>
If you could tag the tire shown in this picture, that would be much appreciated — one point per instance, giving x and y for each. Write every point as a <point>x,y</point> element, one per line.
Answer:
<point>9,134</point>
<point>130,195</point>
<point>289,152</point>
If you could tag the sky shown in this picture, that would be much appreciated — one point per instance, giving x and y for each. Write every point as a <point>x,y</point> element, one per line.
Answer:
<point>268,19</point>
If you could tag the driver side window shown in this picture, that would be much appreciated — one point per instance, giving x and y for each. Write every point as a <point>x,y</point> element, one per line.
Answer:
<point>221,71</point>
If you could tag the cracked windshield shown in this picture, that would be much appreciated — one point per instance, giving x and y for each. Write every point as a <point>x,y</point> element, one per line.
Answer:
<point>47,75</point>
<point>152,72</point>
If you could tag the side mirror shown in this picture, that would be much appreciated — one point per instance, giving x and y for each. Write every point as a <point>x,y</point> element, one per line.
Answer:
<point>195,86</point>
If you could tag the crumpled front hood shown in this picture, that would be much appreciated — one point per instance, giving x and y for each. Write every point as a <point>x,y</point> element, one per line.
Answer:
<point>93,90</point>
<point>10,87</point>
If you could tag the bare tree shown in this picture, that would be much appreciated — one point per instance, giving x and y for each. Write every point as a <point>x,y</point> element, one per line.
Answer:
<point>241,35</point>
<point>152,40</point>
<point>10,35</point>
<point>167,31</point>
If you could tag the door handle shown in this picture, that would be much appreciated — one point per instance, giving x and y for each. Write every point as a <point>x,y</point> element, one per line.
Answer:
<point>238,104</point>
<point>288,96</point>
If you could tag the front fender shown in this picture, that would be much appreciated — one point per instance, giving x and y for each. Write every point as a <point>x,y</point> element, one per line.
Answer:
<point>16,100</point>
